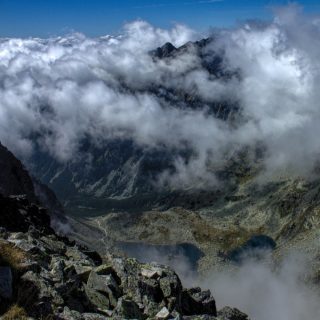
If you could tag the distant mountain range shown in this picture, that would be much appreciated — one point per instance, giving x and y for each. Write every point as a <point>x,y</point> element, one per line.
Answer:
<point>120,174</point>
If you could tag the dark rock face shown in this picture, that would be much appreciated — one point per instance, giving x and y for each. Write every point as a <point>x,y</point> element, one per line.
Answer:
<point>165,51</point>
<point>17,214</point>
<point>14,178</point>
<point>195,301</point>
<point>48,198</point>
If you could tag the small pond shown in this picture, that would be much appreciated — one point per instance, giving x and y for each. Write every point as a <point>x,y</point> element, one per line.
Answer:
<point>186,255</point>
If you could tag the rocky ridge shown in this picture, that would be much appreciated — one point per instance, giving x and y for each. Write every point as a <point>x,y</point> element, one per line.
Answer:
<point>46,276</point>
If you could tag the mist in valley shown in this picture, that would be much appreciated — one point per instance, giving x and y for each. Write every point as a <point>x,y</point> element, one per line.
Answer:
<point>59,92</point>
<point>262,288</point>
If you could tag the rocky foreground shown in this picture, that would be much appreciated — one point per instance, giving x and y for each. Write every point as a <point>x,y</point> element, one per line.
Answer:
<point>46,276</point>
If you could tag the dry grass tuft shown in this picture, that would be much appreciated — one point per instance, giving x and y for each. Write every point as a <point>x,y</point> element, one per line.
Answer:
<point>15,312</point>
<point>12,256</point>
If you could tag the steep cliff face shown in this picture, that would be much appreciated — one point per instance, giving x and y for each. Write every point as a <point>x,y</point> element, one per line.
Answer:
<point>15,180</point>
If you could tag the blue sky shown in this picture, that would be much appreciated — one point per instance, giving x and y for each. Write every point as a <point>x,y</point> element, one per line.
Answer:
<point>44,18</point>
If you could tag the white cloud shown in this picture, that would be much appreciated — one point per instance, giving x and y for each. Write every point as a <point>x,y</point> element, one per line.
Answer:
<point>265,291</point>
<point>59,91</point>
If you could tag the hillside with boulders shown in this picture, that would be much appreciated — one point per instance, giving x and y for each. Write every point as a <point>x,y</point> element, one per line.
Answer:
<point>46,276</point>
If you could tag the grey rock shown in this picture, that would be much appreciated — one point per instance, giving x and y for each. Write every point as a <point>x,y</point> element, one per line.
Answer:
<point>70,314</point>
<point>25,245</point>
<point>18,236</point>
<point>228,313</point>
<point>30,265</point>
<point>98,299</point>
<point>57,268</point>
<point>53,245</point>
<point>195,301</point>
<point>104,269</point>
<point>171,286</point>
<point>163,314</point>
<point>75,254</point>
<point>83,272</point>
<point>151,289</point>
<point>150,308</point>
<point>37,294</point>
<point>105,285</point>
<point>200,317</point>
<point>94,316</point>
<point>150,273</point>
<point>129,309</point>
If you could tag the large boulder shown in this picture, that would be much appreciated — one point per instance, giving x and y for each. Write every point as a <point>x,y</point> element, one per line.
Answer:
<point>228,313</point>
<point>37,295</point>
<point>102,289</point>
<point>129,309</point>
<point>195,301</point>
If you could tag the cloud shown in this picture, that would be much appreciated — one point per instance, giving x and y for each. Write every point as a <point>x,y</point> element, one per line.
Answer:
<point>56,92</point>
<point>262,288</point>
<point>265,292</point>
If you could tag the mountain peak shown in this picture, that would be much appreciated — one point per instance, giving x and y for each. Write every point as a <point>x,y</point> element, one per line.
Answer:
<point>165,51</point>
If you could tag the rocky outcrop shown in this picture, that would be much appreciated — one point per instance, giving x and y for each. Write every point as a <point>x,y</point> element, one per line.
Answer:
<point>15,180</point>
<point>48,276</point>
<point>18,214</point>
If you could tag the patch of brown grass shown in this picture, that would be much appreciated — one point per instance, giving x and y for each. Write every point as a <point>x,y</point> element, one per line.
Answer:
<point>12,256</point>
<point>235,237</point>
<point>228,239</point>
<point>15,312</point>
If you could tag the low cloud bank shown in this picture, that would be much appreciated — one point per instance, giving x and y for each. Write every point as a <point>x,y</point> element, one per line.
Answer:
<point>267,292</point>
<point>55,93</point>
<point>258,286</point>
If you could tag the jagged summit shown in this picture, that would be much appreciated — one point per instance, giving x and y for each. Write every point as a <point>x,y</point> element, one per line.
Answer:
<point>165,51</point>
<point>168,50</point>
